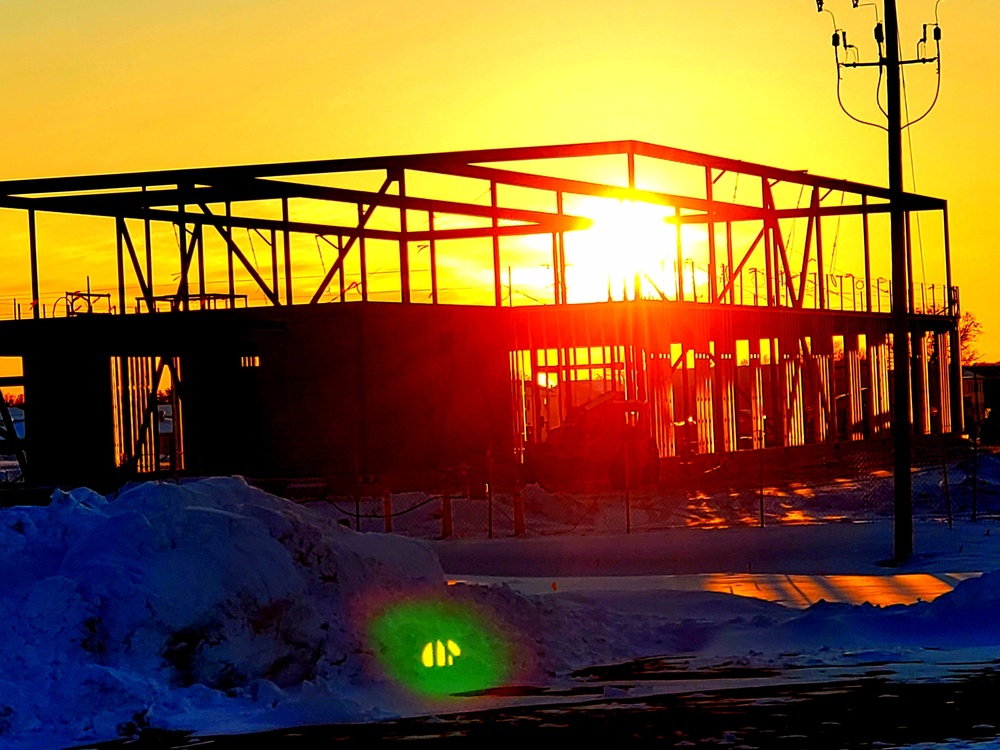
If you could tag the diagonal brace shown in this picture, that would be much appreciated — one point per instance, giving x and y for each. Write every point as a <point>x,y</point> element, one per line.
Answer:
<point>147,293</point>
<point>732,279</point>
<point>362,223</point>
<point>228,237</point>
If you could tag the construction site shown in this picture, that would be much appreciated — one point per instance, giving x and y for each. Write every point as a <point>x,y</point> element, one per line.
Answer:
<point>609,314</point>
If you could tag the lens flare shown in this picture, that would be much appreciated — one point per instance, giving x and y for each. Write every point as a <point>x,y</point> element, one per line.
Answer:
<point>437,648</point>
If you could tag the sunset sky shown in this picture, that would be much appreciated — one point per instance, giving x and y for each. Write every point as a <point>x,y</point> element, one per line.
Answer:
<point>116,85</point>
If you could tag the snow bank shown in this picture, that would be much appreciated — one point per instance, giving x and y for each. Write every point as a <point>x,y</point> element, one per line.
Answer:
<point>176,599</point>
<point>214,607</point>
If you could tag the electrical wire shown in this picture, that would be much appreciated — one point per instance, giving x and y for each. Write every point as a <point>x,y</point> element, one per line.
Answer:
<point>533,299</point>
<point>253,250</point>
<point>937,91</point>
<point>798,204</point>
<point>840,100</point>
<point>836,237</point>
<point>913,173</point>
<point>878,18</point>
<point>319,250</point>
<point>937,45</point>
<point>878,87</point>
<point>836,57</point>
<point>833,18</point>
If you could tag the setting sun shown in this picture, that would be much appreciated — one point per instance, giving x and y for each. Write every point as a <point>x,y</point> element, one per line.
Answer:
<point>631,252</point>
<point>498,371</point>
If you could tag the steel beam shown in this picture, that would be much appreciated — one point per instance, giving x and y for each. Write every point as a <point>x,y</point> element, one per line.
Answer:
<point>423,162</point>
<point>271,294</point>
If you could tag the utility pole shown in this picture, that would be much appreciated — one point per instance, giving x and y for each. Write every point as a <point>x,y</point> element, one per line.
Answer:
<point>902,404</point>
<point>902,505</point>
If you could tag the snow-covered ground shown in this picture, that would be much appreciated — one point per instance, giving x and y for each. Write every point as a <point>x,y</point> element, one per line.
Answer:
<point>213,606</point>
<point>861,496</point>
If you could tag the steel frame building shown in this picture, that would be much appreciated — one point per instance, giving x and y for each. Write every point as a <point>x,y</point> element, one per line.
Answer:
<point>272,371</point>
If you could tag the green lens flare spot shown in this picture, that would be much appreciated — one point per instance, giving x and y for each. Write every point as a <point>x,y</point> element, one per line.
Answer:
<point>438,648</point>
<point>440,654</point>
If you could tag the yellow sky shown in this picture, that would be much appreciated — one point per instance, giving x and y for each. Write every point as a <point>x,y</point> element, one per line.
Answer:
<point>122,85</point>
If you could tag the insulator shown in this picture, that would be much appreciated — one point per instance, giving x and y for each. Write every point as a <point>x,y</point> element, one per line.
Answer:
<point>819,5</point>
<point>879,33</point>
<point>855,3</point>
<point>836,39</point>
<point>846,45</point>
<point>937,33</point>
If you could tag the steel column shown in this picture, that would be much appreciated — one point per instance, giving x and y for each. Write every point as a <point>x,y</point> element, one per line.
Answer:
<point>120,256</point>
<point>497,286</point>
<point>287,247</point>
<point>855,411</point>
<point>712,282</point>
<point>868,257</point>
<point>201,267</point>
<point>433,252</point>
<point>230,267</point>
<point>404,245</point>
<point>182,287</point>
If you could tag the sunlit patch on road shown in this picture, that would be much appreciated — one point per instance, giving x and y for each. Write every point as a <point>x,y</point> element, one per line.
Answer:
<point>798,591</point>
<point>805,590</point>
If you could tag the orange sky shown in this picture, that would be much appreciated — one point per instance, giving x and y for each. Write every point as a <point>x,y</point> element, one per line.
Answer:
<point>120,85</point>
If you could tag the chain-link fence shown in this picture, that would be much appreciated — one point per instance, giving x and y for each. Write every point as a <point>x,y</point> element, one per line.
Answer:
<point>952,480</point>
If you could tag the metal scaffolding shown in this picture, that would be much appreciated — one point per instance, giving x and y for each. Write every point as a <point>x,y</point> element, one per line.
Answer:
<point>752,336</point>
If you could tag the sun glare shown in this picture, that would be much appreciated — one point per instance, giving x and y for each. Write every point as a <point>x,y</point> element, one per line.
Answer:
<point>629,252</point>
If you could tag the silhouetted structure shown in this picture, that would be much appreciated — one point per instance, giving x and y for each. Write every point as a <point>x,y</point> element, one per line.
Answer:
<point>281,366</point>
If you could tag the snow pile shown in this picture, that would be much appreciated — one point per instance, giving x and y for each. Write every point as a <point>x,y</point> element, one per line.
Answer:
<point>215,607</point>
<point>180,598</point>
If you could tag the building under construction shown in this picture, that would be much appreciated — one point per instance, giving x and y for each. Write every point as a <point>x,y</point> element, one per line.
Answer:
<point>405,318</point>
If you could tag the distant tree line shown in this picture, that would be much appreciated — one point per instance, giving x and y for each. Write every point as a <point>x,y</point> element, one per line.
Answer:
<point>14,399</point>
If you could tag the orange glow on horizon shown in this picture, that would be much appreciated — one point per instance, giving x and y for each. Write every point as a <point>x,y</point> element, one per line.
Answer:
<point>210,83</point>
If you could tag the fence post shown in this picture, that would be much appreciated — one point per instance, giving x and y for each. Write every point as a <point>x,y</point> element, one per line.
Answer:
<point>489,494</point>
<point>760,459</point>
<point>387,510</point>
<point>975,468</point>
<point>447,530</point>
<point>628,493</point>
<point>944,471</point>
<point>518,513</point>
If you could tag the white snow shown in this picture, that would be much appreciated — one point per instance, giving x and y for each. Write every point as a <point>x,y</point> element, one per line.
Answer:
<point>157,604</point>
<point>213,606</point>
